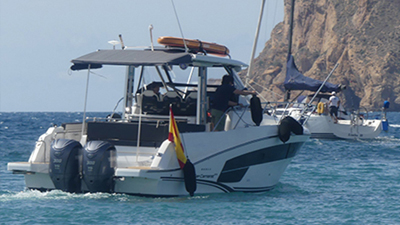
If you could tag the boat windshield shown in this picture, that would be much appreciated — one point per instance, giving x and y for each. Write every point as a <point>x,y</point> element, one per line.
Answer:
<point>178,79</point>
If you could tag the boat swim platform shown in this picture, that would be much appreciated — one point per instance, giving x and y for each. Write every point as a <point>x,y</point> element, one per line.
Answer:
<point>28,167</point>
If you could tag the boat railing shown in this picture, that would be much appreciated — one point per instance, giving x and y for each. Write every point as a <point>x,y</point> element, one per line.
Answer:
<point>223,117</point>
<point>367,113</point>
<point>282,108</point>
<point>239,111</point>
<point>298,110</point>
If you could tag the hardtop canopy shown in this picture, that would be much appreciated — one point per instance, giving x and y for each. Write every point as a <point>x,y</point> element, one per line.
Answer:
<point>148,58</point>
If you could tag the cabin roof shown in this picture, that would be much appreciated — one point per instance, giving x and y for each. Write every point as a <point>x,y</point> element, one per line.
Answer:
<point>148,58</point>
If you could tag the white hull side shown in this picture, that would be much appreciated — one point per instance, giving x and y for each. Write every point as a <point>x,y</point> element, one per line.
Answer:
<point>210,156</point>
<point>259,158</point>
<point>36,174</point>
<point>39,181</point>
<point>258,178</point>
<point>322,126</point>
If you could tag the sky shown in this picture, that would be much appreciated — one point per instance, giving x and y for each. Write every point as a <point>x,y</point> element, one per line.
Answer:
<point>38,40</point>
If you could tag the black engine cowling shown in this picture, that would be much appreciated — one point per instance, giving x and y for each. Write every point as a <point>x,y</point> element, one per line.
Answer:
<point>64,165</point>
<point>98,166</point>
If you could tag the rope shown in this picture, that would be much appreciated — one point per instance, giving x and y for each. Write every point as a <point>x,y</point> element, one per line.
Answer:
<point>180,28</point>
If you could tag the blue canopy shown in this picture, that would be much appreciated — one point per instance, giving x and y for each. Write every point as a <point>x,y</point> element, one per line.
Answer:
<point>296,81</point>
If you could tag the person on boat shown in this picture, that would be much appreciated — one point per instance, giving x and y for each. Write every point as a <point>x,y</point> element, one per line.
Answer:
<point>222,101</point>
<point>155,87</point>
<point>333,104</point>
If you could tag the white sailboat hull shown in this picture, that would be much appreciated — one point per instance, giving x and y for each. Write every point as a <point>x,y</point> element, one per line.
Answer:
<point>322,126</point>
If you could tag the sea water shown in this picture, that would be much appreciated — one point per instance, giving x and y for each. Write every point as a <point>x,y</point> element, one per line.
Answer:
<point>328,182</point>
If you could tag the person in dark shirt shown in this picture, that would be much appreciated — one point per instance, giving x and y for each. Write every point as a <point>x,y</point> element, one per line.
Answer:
<point>221,101</point>
<point>155,87</point>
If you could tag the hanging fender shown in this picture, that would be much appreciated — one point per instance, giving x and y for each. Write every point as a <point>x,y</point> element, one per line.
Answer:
<point>256,110</point>
<point>189,175</point>
<point>288,125</point>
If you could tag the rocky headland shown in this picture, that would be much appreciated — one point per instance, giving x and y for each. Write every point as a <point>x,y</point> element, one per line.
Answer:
<point>362,36</point>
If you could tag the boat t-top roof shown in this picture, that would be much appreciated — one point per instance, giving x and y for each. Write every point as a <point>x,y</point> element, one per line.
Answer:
<point>148,58</point>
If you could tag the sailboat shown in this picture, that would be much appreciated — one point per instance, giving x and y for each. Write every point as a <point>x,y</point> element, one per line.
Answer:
<point>312,110</point>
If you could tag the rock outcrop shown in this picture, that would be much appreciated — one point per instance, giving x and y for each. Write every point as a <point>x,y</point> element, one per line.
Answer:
<point>362,36</point>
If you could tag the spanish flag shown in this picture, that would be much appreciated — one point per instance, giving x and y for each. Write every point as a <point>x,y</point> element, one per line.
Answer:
<point>189,172</point>
<point>174,136</point>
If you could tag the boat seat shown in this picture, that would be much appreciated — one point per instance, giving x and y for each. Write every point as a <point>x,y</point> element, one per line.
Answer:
<point>192,96</point>
<point>150,102</point>
<point>150,93</point>
<point>171,97</point>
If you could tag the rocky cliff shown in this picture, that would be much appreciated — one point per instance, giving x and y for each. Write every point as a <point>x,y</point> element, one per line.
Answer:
<point>362,36</point>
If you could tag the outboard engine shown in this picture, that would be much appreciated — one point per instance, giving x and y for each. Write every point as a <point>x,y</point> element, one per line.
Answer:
<point>98,166</point>
<point>64,165</point>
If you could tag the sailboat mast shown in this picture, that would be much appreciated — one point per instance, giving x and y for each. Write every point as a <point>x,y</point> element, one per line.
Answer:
<point>291,28</point>
<point>287,96</point>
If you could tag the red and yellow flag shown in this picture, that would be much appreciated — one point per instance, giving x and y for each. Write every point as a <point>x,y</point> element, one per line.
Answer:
<point>174,136</point>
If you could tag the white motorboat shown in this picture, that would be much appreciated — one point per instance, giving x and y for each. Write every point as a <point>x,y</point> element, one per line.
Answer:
<point>132,152</point>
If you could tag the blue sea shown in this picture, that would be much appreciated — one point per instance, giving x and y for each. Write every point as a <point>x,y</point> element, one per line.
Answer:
<point>328,182</point>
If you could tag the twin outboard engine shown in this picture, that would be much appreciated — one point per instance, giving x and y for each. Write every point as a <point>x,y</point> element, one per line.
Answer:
<point>99,160</point>
<point>64,165</point>
<point>70,163</point>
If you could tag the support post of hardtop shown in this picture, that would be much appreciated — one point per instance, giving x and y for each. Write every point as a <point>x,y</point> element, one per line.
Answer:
<point>202,97</point>
<point>128,92</point>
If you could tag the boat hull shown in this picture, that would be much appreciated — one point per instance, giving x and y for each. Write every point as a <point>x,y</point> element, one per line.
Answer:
<point>242,160</point>
<point>171,183</point>
<point>322,126</point>
<point>254,166</point>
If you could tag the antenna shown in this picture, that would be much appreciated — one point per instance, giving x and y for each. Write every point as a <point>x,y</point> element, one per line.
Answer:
<point>113,43</point>
<point>122,42</point>
<point>151,36</point>
<point>180,28</point>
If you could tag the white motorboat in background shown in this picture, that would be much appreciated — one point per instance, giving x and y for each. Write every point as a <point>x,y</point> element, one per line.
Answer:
<point>132,153</point>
